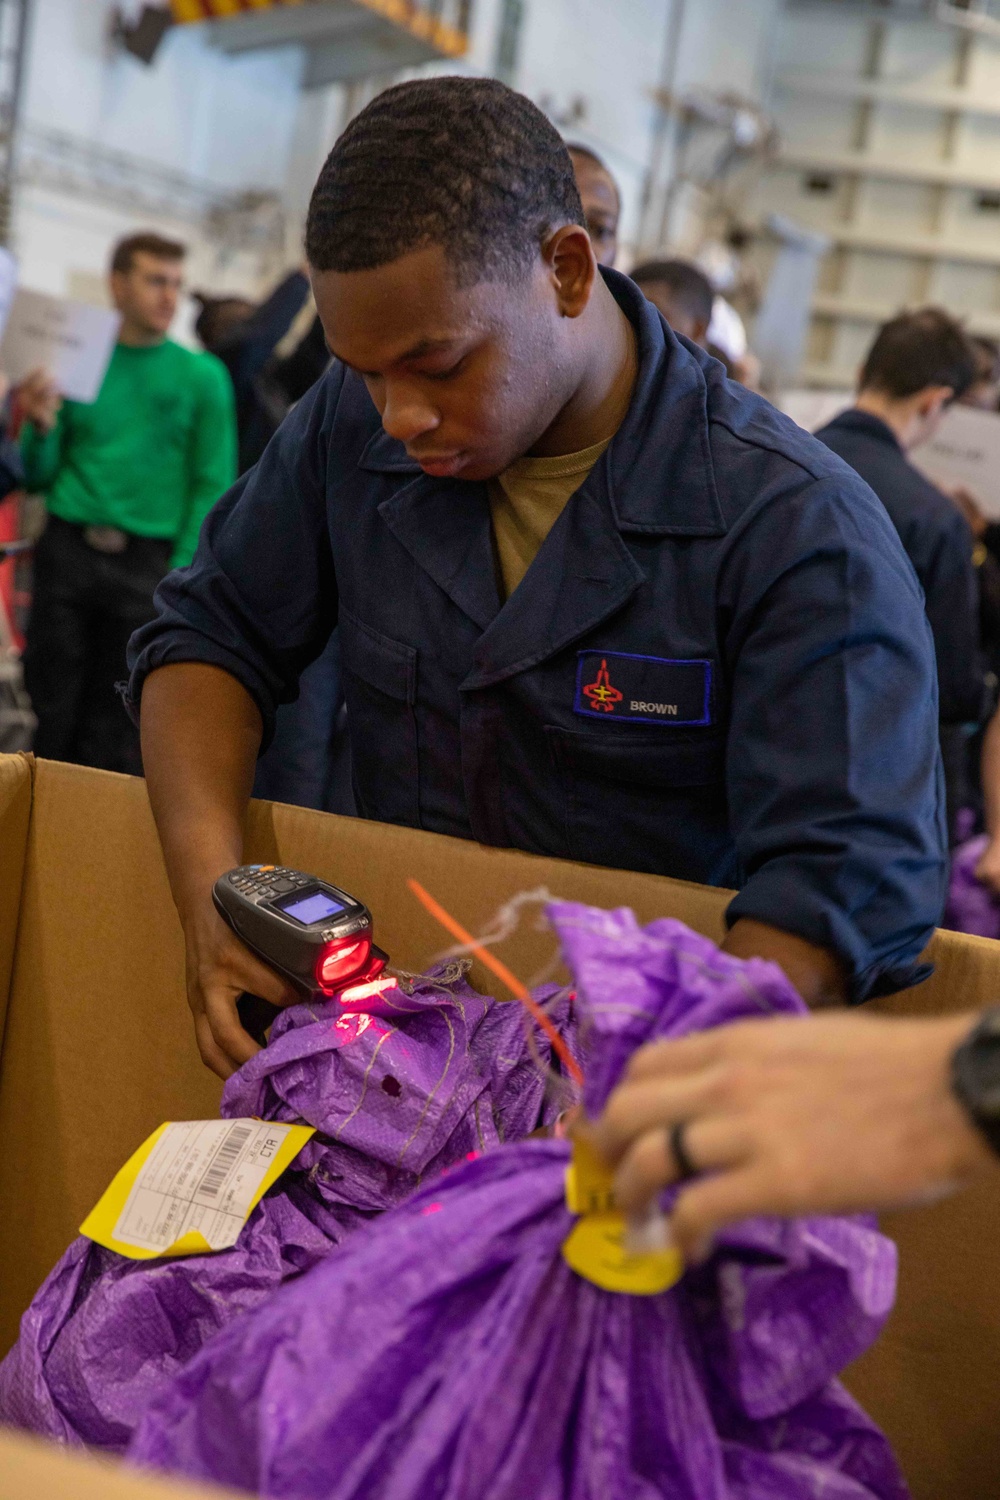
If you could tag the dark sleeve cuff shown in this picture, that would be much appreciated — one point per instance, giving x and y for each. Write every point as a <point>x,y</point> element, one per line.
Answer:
<point>182,646</point>
<point>784,899</point>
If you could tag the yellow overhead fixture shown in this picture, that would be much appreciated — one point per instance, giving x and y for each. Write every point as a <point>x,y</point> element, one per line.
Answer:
<point>411,15</point>
<point>207,10</point>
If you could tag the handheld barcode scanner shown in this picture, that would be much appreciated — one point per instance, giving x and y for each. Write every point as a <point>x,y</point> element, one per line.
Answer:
<point>314,935</point>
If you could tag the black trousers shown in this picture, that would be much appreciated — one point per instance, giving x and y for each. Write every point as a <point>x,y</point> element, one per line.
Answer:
<point>85,605</point>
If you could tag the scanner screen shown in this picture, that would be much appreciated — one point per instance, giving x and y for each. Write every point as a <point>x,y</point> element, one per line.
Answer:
<point>311,908</point>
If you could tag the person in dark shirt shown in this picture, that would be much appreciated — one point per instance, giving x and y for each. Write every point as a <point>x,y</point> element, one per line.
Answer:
<point>919,363</point>
<point>244,337</point>
<point>984,395</point>
<point>298,371</point>
<point>308,761</point>
<point>683,294</point>
<point>984,392</point>
<point>685,297</point>
<point>602,202</point>
<point>594,600</point>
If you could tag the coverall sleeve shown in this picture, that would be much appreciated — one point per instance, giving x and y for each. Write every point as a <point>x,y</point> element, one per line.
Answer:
<point>951,590</point>
<point>259,598</point>
<point>41,453</point>
<point>833,768</point>
<point>211,457</point>
<point>253,342</point>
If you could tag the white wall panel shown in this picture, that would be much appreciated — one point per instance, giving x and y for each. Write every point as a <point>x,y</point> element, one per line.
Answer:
<point>611,57</point>
<point>834,42</point>
<point>905,179</point>
<point>851,342</point>
<point>965,289</point>
<point>924,54</point>
<point>895,207</point>
<point>901,132</point>
<point>227,119</point>
<point>242,122</point>
<point>890,280</point>
<point>818,123</point>
<point>984,66</point>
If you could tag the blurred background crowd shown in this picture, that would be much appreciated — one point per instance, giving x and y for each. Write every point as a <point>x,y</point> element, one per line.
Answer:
<point>807,189</point>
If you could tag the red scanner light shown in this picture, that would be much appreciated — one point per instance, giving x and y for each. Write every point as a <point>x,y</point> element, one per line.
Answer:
<point>367,991</point>
<point>339,962</point>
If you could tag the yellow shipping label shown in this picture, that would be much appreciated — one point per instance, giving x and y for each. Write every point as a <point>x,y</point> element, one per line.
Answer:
<point>191,1187</point>
<point>596,1245</point>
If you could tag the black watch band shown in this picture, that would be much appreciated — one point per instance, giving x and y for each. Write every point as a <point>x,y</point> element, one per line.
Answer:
<point>975,1076</point>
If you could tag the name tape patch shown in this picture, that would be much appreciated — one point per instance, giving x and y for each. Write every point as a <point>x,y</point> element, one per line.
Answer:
<point>643,689</point>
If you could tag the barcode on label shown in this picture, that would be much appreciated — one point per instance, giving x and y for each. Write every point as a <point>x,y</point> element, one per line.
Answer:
<point>225,1157</point>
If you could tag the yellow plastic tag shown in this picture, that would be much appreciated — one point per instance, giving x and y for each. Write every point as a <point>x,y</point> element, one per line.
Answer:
<point>588,1182</point>
<point>191,1187</point>
<point>595,1246</point>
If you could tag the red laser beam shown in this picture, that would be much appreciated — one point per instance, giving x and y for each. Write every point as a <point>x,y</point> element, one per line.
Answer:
<point>502,972</point>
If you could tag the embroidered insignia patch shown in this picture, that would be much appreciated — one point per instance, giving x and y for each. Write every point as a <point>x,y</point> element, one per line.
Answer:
<point>643,689</point>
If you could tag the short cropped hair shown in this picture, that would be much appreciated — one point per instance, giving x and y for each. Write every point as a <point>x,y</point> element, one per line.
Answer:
<point>689,287</point>
<point>987,352</point>
<point>219,318</point>
<point>920,349</point>
<point>464,163</point>
<point>577,148</point>
<point>146,243</point>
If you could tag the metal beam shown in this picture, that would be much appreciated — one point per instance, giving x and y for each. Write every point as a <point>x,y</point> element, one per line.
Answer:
<point>395,36</point>
<point>362,54</point>
<point>306,24</point>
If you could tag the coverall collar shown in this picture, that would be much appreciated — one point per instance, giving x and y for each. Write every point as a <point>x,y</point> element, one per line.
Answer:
<point>655,479</point>
<point>868,423</point>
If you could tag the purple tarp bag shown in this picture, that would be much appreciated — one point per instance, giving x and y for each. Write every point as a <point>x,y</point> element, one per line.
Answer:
<point>448,1351</point>
<point>395,1097</point>
<point>972,906</point>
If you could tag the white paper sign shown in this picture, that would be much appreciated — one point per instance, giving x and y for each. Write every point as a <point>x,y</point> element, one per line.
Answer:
<point>201,1174</point>
<point>71,340</point>
<point>965,450</point>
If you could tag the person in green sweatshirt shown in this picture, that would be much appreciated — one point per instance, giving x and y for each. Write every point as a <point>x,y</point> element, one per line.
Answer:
<point>127,482</point>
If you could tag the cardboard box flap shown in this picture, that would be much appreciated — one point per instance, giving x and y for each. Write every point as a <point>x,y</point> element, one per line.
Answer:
<point>99,1050</point>
<point>33,1470</point>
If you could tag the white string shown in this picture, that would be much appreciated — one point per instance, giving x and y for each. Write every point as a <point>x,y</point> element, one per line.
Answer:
<point>506,921</point>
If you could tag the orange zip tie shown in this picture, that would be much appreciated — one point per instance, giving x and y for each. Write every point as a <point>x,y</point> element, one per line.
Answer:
<point>502,972</point>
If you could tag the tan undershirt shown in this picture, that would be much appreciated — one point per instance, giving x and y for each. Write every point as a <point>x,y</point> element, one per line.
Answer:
<point>527,499</point>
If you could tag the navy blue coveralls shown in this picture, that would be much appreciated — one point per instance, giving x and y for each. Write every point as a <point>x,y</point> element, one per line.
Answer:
<point>718,666</point>
<point>938,542</point>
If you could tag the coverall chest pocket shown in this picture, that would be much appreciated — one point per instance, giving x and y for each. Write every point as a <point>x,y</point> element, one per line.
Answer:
<point>380,687</point>
<point>646,801</point>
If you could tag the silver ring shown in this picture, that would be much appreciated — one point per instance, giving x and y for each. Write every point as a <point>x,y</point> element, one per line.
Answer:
<point>685,1166</point>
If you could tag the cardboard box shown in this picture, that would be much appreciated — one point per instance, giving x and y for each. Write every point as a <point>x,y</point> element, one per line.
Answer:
<point>29,1467</point>
<point>98,1050</point>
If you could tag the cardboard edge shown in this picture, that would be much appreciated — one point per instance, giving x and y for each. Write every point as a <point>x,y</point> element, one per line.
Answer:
<point>17,785</point>
<point>33,1468</point>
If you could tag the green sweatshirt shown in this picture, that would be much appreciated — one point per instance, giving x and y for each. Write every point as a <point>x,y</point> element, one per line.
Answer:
<point>151,455</point>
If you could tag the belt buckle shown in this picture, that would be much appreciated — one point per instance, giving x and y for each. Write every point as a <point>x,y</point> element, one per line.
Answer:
<point>110,540</point>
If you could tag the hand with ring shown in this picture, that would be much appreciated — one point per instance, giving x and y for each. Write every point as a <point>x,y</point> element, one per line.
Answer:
<point>686,1168</point>
<point>824,1114</point>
